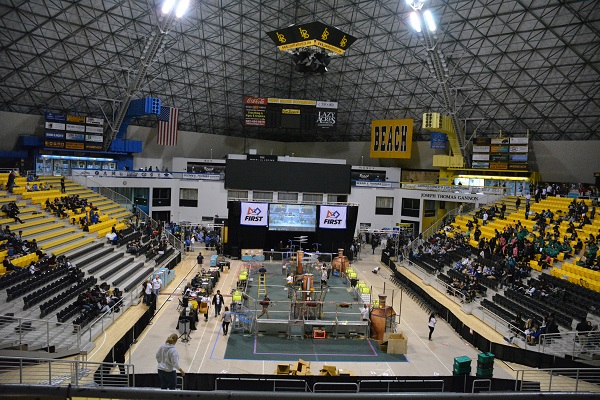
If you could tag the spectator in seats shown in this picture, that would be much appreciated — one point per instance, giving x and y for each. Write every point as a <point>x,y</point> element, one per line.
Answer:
<point>111,237</point>
<point>33,269</point>
<point>534,335</point>
<point>103,305</point>
<point>477,233</point>
<point>52,263</point>
<point>8,265</point>
<point>11,210</point>
<point>583,329</point>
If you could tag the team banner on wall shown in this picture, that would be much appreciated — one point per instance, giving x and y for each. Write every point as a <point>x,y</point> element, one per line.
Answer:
<point>331,217</point>
<point>438,140</point>
<point>254,214</point>
<point>391,138</point>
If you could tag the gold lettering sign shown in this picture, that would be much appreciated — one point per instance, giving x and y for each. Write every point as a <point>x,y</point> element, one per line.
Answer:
<point>304,33</point>
<point>343,41</point>
<point>391,138</point>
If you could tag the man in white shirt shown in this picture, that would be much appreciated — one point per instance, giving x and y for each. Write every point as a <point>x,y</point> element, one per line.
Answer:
<point>156,285</point>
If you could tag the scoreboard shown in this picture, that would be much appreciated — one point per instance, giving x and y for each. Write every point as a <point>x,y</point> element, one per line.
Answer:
<point>501,153</point>
<point>73,132</point>
<point>308,115</point>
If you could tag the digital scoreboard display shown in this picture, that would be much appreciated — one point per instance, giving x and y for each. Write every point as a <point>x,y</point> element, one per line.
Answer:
<point>290,113</point>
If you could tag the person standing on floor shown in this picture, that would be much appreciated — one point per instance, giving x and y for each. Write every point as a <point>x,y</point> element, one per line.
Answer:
<point>156,286</point>
<point>148,293</point>
<point>365,313</point>
<point>168,363</point>
<point>204,306</point>
<point>265,303</point>
<point>226,318</point>
<point>217,301</point>
<point>324,277</point>
<point>431,324</point>
<point>62,185</point>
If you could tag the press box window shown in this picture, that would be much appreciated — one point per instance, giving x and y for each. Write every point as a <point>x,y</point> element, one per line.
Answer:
<point>384,205</point>
<point>161,197</point>
<point>268,196</point>
<point>312,197</point>
<point>429,208</point>
<point>188,197</point>
<point>287,196</point>
<point>237,195</point>
<point>410,207</point>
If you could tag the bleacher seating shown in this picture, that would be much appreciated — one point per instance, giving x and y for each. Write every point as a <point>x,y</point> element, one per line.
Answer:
<point>34,282</point>
<point>516,307</point>
<point>541,307</point>
<point>72,292</point>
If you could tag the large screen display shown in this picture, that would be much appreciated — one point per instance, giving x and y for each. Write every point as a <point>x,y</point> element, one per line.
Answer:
<point>287,176</point>
<point>292,217</point>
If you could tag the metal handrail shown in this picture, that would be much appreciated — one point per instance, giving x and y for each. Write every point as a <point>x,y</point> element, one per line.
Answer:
<point>93,335</point>
<point>558,380</point>
<point>335,387</point>
<point>152,394</point>
<point>573,343</point>
<point>43,371</point>
<point>511,327</point>
<point>454,188</point>
<point>434,281</point>
<point>433,385</point>
<point>274,382</point>
<point>49,333</point>
<point>322,202</point>
<point>119,198</point>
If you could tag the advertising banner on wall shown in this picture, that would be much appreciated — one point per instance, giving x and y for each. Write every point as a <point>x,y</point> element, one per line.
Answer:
<point>391,138</point>
<point>438,140</point>
<point>331,217</point>
<point>254,214</point>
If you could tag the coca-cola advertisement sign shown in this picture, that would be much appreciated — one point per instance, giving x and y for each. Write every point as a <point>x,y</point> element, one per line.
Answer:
<point>257,101</point>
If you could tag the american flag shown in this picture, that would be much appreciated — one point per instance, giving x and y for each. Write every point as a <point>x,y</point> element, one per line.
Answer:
<point>167,126</point>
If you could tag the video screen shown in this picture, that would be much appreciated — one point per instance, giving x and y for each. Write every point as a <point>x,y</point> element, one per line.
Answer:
<point>292,217</point>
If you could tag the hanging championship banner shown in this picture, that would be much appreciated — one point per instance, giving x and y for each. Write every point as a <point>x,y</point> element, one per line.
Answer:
<point>254,214</point>
<point>391,138</point>
<point>332,217</point>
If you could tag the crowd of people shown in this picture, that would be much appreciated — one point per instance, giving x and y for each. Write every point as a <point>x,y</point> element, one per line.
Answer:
<point>11,210</point>
<point>16,246</point>
<point>61,205</point>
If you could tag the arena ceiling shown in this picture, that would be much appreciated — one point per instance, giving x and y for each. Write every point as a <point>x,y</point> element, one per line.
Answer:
<point>513,65</point>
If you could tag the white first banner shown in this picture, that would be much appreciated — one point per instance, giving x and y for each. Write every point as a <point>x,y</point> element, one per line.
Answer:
<point>331,217</point>
<point>254,214</point>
